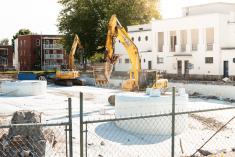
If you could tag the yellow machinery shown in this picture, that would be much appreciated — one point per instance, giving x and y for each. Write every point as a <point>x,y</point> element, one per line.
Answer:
<point>116,31</point>
<point>102,73</point>
<point>69,76</point>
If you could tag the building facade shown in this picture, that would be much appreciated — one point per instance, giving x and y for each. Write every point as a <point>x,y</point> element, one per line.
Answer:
<point>40,52</point>
<point>199,45</point>
<point>6,56</point>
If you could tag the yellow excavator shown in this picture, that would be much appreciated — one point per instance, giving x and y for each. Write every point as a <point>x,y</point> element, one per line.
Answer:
<point>69,76</point>
<point>117,31</point>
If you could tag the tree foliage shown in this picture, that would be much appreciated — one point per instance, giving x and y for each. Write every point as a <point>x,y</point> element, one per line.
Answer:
<point>22,31</point>
<point>89,19</point>
<point>4,42</point>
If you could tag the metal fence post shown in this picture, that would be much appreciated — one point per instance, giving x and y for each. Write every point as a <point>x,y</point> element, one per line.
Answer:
<point>66,139</point>
<point>81,124</point>
<point>173,124</point>
<point>70,128</point>
<point>86,139</point>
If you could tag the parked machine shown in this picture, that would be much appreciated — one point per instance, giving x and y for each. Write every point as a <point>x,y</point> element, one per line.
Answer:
<point>69,76</point>
<point>136,82</point>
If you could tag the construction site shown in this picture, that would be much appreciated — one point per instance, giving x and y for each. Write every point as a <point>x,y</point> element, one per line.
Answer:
<point>126,104</point>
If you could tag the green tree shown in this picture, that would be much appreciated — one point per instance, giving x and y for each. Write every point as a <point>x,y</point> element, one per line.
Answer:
<point>20,32</point>
<point>4,41</point>
<point>89,19</point>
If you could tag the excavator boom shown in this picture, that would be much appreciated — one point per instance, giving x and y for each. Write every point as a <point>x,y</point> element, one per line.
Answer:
<point>116,31</point>
<point>76,43</point>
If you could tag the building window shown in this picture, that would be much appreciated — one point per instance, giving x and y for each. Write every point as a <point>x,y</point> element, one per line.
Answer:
<point>47,42</point>
<point>146,38</point>
<point>46,51</point>
<point>37,42</point>
<point>209,60</point>
<point>139,38</point>
<point>233,60</point>
<point>120,60</point>
<point>209,38</point>
<point>132,38</point>
<point>173,40</point>
<point>159,60</point>
<point>127,61</point>
<point>160,41</point>
<point>144,60</point>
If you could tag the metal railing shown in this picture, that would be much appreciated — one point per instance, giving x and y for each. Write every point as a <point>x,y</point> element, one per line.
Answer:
<point>194,47</point>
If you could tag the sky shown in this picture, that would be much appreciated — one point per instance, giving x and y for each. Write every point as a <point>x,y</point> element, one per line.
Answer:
<point>40,16</point>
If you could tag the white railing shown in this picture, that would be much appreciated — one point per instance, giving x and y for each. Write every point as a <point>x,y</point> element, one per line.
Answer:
<point>194,47</point>
<point>183,48</point>
<point>54,56</point>
<point>209,46</point>
<point>160,49</point>
<point>52,46</point>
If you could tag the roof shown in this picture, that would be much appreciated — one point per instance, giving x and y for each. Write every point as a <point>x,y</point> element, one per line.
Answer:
<point>208,4</point>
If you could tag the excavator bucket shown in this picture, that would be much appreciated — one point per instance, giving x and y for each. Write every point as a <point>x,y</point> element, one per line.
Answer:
<point>102,73</point>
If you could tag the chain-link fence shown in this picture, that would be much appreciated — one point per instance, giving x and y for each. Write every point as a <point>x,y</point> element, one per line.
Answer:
<point>205,132</point>
<point>28,136</point>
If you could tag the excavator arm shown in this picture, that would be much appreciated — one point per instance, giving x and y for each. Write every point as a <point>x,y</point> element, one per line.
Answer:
<point>76,43</point>
<point>115,30</point>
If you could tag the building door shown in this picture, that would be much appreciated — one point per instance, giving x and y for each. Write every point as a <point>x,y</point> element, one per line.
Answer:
<point>179,68</point>
<point>149,65</point>
<point>186,68</point>
<point>226,74</point>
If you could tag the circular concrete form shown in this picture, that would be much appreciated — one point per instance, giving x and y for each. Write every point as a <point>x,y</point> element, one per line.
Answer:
<point>133,104</point>
<point>23,88</point>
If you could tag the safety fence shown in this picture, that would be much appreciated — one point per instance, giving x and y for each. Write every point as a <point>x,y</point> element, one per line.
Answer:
<point>27,136</point>
<point>175,133</point>
<point>194,133</point>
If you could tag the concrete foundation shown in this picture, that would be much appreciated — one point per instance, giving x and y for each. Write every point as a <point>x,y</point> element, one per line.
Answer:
<point>223,91</point>
<point>133,104</point>
<point>23,88</point>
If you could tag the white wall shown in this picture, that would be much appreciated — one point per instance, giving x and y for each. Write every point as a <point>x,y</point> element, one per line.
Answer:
<point>197,58</point>
<point>219,7</point>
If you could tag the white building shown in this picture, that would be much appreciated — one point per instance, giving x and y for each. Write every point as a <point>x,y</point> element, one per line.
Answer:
<point>201,44</point>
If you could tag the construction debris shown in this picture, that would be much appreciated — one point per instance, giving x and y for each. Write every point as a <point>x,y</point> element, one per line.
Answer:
<point>24,140</point>
<point>226,79</point>
<point>6,76</point>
